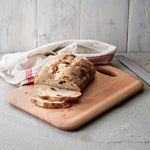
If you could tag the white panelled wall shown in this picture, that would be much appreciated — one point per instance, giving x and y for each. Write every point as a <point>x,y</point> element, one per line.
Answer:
<point>26,24</point>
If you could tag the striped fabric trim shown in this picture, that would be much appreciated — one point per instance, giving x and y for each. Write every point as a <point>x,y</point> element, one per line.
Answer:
<point>28,73</point>
<point>29,76</point>
<point>30,80</point>
<point>101,58</point>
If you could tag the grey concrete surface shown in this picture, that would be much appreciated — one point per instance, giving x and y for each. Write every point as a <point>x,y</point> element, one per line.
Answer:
<point>125,126</point>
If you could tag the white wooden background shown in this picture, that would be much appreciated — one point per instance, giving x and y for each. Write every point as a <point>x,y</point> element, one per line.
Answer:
<point>26,24</point>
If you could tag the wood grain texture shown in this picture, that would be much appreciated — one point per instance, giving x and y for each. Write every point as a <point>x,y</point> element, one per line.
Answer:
<point>139,26</point>
<point>17,27</point>
<point>57,20</point>
<point>27,24</point>
<point>109,87</point>
<point>105,20</point>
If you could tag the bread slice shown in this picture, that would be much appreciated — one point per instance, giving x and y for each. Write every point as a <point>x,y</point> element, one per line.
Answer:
<point>49,104</point>
<point>55,94</point>
<point>67,71</point>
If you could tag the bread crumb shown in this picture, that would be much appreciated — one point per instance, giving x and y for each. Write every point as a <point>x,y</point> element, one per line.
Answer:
<point>69,109</point>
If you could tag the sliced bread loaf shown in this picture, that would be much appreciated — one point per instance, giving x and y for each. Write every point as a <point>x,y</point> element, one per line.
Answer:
<point>61,81</point>
<point>56,94</point>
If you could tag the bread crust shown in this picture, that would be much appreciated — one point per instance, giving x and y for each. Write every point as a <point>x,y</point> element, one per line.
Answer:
<point>49,104</point>
<point>68,68</point>
<point>60,98</point>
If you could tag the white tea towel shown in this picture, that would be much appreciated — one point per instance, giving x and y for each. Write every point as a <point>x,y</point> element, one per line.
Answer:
<point>21,68</point>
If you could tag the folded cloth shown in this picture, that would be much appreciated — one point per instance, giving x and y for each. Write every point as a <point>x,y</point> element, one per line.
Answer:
<point>21,68</point>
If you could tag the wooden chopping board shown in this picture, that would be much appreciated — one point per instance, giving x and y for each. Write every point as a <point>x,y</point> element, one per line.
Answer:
<point>109,87</point>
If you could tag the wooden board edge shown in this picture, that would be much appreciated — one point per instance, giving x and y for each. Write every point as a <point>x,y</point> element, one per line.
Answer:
<point>100,108</point>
